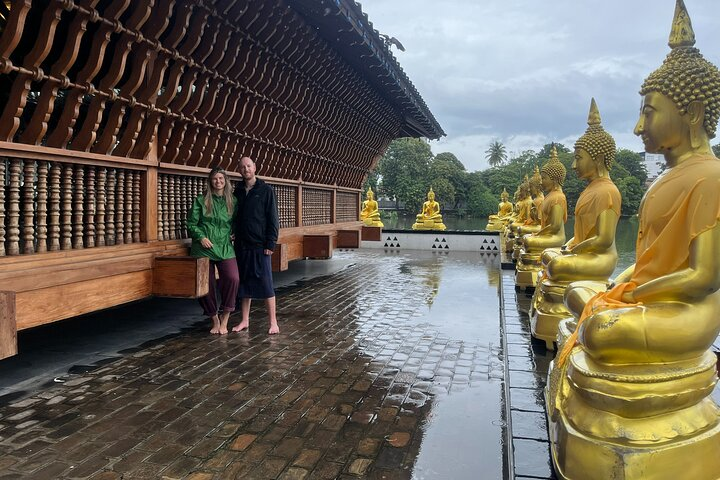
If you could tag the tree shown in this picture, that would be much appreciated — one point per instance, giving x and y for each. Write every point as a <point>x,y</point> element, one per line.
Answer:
<point>481,202</point>
<point>372,182</point>
<point>446,167</point>
<point>633,163</point>
<point>631,191</point>
<point>496,154</point>
<point>404,171</point>
<point>716,149</point>
<point>559,147</point>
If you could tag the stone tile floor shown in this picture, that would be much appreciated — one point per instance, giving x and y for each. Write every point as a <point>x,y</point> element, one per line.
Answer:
<point>528,361</point>
<point>390,368</point>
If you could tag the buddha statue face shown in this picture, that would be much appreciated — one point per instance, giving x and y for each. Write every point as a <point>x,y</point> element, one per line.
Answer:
<point>548,184</point>
<point>661,125</point>
<point>370,195</point>
<point>504,196</point>
<point>584,165</point>
<point>431,196</point>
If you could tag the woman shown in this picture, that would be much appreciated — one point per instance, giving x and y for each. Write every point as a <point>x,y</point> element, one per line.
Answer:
<point>210,223</point>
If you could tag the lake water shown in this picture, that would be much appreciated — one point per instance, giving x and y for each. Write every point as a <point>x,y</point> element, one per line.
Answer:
<point>624,238</point>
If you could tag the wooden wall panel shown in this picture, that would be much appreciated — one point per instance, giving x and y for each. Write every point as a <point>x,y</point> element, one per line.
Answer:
<point>38,307</point>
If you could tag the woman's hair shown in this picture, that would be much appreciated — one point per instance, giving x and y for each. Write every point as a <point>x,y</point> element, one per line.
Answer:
<point>227,191</point>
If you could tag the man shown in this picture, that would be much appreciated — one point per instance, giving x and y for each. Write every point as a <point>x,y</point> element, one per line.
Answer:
<point>256,232</point>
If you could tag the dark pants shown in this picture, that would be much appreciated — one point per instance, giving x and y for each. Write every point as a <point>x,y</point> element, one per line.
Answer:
<point>228,286</point>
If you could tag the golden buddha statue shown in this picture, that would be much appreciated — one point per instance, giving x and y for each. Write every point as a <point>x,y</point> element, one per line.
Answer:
<point>370,214</point>
<point>590,254</point>
<point>534,221</point>
<point>523,209</point>
<point>430,217</point>
<point>553,215</point>
<point>497,222</point>
<point>630,394</point>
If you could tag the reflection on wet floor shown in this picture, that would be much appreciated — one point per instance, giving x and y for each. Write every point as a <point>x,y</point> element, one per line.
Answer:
<point>390,368</point>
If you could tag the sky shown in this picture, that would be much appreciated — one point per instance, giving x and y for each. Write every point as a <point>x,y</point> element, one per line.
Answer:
<point>523,71</point>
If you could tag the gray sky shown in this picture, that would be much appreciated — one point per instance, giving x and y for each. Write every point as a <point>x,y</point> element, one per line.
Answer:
<point>523,71</point>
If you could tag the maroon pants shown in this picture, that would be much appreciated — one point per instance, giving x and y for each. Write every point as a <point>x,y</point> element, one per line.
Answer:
<point>227,284</point>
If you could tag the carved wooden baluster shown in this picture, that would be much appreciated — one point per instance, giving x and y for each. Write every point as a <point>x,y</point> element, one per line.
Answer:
<point>120,208</point>
<point>178,207</point>
<point>166,206</point>
<point>54,216</point>
<point>110,207</point>
<point>136,208</point>
<point>100,209</point>
<point>183,204</point>
<point>90,209</point>
<point>66,211</point>
<point>171,207</point>
<point>129,180</point>
<point>181,209</point>
<point>14,207</point>
<point>161,208</point>
<point>2,206</point>
<point>28,207</point>
<point>78,211</point>
<point>42,203</point>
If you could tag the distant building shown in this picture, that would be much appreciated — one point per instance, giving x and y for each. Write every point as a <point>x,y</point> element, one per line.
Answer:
<point>653,162</point>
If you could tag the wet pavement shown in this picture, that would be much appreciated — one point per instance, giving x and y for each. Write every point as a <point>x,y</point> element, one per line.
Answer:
<point>527,365</point>
<point>391,367</point>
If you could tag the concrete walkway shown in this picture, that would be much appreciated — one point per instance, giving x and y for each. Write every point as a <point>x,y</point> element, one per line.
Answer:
<point>391,367</point>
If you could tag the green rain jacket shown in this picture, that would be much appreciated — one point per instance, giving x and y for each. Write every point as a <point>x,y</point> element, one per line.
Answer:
<point>217,227</point>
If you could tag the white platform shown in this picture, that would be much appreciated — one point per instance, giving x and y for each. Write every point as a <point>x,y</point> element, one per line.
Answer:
<point>436,240</point>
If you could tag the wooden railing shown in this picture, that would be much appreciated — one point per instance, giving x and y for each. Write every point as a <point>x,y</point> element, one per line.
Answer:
<point>48,205</point>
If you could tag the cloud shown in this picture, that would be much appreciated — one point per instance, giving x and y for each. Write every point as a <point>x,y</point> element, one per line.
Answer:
<point>523,71</point>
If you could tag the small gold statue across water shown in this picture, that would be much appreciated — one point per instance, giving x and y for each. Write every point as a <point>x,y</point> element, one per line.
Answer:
<point>370,214</point>
<point>630,393</point>
<point>591,253</point>
<point>553,215</point>
<point>430,217</point>
<point>496,223</point>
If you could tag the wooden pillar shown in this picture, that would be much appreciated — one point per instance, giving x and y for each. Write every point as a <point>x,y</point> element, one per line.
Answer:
<point>149,217</point>
<point>333,205</point>
<point>8,326</point>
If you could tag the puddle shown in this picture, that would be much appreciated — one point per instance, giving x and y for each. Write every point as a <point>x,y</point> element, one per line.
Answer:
<point>463,436</point>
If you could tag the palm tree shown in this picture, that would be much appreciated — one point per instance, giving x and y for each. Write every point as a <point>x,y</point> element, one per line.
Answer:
<point>495,154</point>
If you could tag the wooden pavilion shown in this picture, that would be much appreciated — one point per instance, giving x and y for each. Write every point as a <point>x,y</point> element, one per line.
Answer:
<point>113,111</point>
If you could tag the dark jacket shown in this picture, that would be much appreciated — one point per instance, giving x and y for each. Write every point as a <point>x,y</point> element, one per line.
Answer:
<point>256,222</point>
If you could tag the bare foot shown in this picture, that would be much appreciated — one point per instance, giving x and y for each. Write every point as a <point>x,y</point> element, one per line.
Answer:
<point>223,330</point>
<point>216,325</point>
<point>241,326</point>
<point>274,329</point>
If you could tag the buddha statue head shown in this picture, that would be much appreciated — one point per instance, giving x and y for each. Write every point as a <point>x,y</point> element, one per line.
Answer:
<point>431,195</point>
<point>595,149</point>
<point>681,99</point>
<point>525,188</point>
<point>553,172</point>
<point>535,182</point>
<point>369,195</point>
<point>504,195</point>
